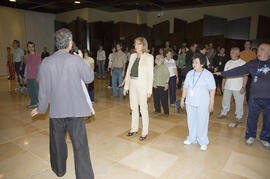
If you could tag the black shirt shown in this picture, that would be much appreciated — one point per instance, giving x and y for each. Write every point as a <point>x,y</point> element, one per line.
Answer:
<point>220,61</point>
<point>44,54</point>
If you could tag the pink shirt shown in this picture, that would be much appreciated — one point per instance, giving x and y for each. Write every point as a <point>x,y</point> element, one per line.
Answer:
<point>32,63</point>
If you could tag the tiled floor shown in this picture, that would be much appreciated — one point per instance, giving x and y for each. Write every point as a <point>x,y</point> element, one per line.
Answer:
<point>24,143</point>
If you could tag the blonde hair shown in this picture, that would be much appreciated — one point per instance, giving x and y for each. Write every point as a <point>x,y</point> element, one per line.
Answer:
<point>144,43</point>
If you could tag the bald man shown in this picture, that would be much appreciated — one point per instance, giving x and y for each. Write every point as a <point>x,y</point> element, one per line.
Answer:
<point>259,99</point>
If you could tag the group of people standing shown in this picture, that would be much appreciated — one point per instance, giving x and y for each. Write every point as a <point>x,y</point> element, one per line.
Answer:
<point>61,78</point>
<point>25,64</point>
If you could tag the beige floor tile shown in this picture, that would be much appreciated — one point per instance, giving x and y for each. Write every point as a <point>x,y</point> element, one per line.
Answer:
<point>135,138</point>
<point>24,143</point>
<point>18,163</point>
<point>18,131</point>
<point>248,166</point>
<point>119,171</point>
<point>49,174</point>
<point>178,131</point>
<point>37,143</point>
<point>114,149</point>
<point>167,143</point>
<point>151,161</point>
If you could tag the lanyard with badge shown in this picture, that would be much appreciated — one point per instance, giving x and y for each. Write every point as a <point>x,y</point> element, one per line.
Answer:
<point>192,90</point>
<point>257,72</point>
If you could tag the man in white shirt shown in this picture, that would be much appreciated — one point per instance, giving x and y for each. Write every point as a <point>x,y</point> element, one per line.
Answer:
<point>18,63</point>
<point>233,86</point>
<point>101,61</point>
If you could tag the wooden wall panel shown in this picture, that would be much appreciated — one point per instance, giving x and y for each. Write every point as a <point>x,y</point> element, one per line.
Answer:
<point>194,31</point>
<point>161,33</point>
<point>263,32</point>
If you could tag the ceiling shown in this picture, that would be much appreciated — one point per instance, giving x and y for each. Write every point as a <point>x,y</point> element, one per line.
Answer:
<point>59,6</point>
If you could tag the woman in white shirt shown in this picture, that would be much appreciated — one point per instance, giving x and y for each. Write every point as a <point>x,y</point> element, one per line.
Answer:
<point>101,61</point>
<point>170,63</point>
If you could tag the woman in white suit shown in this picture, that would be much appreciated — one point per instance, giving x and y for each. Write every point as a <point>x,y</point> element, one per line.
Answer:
<point>139,83</point>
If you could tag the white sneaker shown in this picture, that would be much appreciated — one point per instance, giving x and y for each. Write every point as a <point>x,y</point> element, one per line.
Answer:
<point>187,142</point>
<point>265,144</point>
<point>18,89</point>
<point>250,141</point>
<point>204,147</point>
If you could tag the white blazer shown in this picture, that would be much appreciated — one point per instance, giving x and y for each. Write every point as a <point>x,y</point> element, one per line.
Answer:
<point>145,72</point>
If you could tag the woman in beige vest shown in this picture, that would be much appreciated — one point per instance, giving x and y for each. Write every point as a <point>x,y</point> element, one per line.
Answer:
<point>139,83</point>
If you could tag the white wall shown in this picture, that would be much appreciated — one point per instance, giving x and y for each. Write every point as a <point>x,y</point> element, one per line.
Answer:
<point>24,26</point>
<point>40,30</point>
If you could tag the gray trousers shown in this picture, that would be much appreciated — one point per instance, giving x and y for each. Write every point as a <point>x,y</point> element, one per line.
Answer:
<point>58,146</point>
<point>239,102</point>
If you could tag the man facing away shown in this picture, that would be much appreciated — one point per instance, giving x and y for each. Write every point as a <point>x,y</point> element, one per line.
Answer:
<point>60,86</point>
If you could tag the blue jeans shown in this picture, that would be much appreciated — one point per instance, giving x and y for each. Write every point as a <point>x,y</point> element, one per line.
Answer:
<point>254,107</point>
<point>172,89</point>
<point>117,79</point>
<point>101,70</point>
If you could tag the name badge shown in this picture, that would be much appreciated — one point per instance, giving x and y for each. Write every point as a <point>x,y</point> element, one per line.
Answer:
<point>191,93</point>
<point>255,79</point>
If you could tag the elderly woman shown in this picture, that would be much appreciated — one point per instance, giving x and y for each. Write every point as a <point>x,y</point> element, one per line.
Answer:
<point>160,90</point>
<point>139,83</point>
<point>198,94</point>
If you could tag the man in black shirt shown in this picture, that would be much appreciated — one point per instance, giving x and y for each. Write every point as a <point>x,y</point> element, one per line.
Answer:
<point>219,63</point>
<point>44,53</point>
<point>189,56</point>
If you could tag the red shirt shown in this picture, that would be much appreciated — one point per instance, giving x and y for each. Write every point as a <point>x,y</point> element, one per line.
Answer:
<point>32,63</point>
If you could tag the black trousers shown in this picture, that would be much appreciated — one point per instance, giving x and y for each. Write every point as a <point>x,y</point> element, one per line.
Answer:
<point>161,95</point>
<point>248,87</point>
<point>58,147</point>
<point>218,80</point>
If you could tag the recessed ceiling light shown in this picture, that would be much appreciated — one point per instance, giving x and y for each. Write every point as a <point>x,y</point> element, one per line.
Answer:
<point>77,2</point>
<point>12,0</point>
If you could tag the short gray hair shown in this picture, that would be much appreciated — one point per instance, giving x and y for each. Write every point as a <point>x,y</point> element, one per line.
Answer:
<point>236,49</point>
<point>62,38</point>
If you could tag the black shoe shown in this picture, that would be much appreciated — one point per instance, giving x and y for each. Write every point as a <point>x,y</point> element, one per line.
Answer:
<point>143,138</point>
<point>131,133</point>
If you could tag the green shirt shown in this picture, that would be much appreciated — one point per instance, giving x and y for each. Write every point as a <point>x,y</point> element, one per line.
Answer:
<point>135,68</point>
<point>161,75</point>
<point>181,61</point>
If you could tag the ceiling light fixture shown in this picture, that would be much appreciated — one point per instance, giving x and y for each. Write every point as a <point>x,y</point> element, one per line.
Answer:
<point>77,2</point>
<point>12,0</point>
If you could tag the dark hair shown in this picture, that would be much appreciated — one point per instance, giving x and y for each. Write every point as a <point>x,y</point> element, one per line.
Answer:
<point>30,43</point>
<point>86,51</point>
<point>17,42</point>
<point>249,41</point>
<point>193,43</point>
<point>201,57</point>
<point>166,51</point>
<point>200,47</point>
<point>184,49</point>
<point>118,43</point>
<point>8,48</point>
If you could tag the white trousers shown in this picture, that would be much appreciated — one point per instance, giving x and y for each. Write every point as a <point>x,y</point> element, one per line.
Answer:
<point>198,119</point>
<point>239,102</point>
<point>138,97</point>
